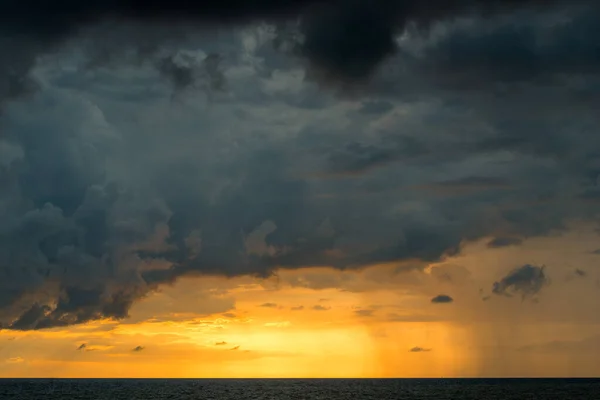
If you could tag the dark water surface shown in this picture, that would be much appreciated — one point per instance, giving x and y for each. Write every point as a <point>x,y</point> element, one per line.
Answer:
<point>297,389</point>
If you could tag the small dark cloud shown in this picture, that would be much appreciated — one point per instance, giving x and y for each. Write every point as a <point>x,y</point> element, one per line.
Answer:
<point>137,349</point>
<point>82,347</point>
<point>298,308</point>
<point>323,300</point>
<point>419,350</point>
<point>442,298</point>
<point>364,313</point>
<point>319,307</point>
<point>580,272</point>
<point>220,343</point>
<point>596,252</point>
<point>269,305</point>
<point>504,242</point>
<point>229,315</point>
<point>527,281</point>
<point>235,348</point>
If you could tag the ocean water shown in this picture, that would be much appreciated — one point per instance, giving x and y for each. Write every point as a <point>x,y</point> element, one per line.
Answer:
<point>298,389</point>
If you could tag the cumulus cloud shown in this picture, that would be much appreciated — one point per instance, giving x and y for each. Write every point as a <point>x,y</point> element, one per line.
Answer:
<point>442,298</point>
<point>109,189</point>
<point>527,281</point>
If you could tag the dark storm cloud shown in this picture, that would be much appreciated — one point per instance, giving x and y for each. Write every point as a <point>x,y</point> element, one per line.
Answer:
<point>344,40</point>
<point>442,298</point>
<point>504,242</point>
<point>527,281</point>
<point>94,217</point>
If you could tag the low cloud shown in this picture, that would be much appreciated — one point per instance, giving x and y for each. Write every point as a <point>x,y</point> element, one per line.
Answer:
<point>82,347</point>
<point>319,307</point>
<point>220,343</point>
<point>298,308</point>
<point>269,305</point>
<point>137,349</point>
<point>442,298</point>
<point>419,350</point>
<point>527,281</point>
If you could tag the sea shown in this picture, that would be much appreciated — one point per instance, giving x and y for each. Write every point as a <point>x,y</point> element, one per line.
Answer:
<point>298,389</point>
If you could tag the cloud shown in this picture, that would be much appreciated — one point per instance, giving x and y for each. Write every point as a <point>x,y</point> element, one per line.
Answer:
<point>442,298</point>
<point>441,148</point>
<point>235,348</point>
<point>342,40</point>
<point>419,350</point>
<point>269,305</point>
<point>580,272</point>
<point>597,252</point>
<point>319,307</point>
<point>297,308</point>
<point>83,346</point>
<point>220,343</point>
<point>137,349</point>
<point>364,313</point>
<point>15,360</point>
<point>504,242</point>
<point>527,281</point>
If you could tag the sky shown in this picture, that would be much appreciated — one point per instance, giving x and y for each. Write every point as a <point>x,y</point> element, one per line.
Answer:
<point>299,189</point>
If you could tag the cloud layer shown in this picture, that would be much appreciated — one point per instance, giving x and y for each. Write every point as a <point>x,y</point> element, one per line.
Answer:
<point>110,187</point>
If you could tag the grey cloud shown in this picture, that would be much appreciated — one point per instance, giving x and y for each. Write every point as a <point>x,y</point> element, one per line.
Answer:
<point>597,252</point>
<point>108,190</point>
<point>220,343</point>
<point>527,281</point>
<point>297,308</point>
<point>504,242</point>
<point>82,347</point>
<point>137,349</point>
<point>319,307</point>
<point>442,298</point>
<point>342,40</point>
